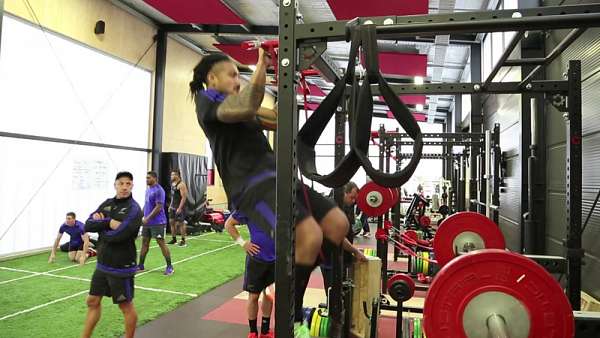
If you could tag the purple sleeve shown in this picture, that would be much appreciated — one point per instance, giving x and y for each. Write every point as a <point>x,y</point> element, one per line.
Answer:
<point>62,229</point>
<point>81,227</point>
<point>159,197</point>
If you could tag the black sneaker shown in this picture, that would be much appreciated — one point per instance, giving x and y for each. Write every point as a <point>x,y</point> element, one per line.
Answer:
<point>173,241</point>
<point>182,244</point>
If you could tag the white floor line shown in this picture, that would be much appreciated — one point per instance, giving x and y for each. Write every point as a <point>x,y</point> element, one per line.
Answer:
<point>187,259</point>
<point>88,280</point>
<point>43,305</point>
<point>34,274</point>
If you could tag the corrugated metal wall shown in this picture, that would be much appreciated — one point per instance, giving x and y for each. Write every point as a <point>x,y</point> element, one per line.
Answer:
<point>505,109</point>
<point>586,49</point>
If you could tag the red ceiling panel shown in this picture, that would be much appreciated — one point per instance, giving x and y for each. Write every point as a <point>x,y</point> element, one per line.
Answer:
<point>245,57</point>
<point>197,11</point>
<point>410,99</point>
<point>350,9</point>
<point>406,64</point>
<point>418,116</point>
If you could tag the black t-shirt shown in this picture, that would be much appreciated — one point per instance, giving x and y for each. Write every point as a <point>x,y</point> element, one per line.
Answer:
<point>242,153</point>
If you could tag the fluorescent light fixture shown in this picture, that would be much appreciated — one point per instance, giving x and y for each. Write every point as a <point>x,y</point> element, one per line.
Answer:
<point>419,80</point>
<point>252,67</point>
<point>419,107</point>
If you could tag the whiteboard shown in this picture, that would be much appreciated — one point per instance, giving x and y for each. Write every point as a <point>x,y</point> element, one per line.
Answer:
<point>52,86</point>
<point>55,87</point>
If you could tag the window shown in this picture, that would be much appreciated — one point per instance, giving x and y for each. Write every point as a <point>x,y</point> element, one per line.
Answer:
<point>54,87</point>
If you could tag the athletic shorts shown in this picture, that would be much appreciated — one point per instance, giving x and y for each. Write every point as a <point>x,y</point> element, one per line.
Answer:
<point>177,217</point>
<point>119,288</point>
<point>258,204</point>
<point>153,231</point>
<point>258,275</point>
<point>75,247</point>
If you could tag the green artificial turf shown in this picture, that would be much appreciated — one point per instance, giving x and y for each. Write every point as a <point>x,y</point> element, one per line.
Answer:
<point>207,262</point>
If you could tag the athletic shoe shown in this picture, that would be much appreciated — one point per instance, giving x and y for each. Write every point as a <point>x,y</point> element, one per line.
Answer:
<point>367,235</point>
<point>140,268</point>
<point>169,270</point>
<point>252,335</point>
<point>173,241</point>
<point>266,335</point>
<point>301,331</point>
<point>182,244</point>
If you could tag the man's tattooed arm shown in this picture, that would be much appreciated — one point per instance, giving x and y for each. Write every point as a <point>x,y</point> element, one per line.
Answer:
<point>242,106</point>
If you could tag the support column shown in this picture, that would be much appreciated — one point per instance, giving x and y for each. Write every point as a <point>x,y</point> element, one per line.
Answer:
<point>287,129</point>
<point>159,98</point>
<point>336,302</point>
<point>475,126</point>
<point>573,192</point>
<point>1,16</point>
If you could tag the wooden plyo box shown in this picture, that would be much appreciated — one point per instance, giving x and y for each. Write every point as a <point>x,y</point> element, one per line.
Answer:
<point>367,287</point>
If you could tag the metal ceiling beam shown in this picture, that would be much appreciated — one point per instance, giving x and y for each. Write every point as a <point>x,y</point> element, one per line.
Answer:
<point>219,29</point>
<point>488,21</point>
<point>475,88</point>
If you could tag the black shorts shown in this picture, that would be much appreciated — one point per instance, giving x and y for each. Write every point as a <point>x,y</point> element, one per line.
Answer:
<point>76,247</point>
<point>119,288</point>
<point>176,217</point>
<point>258,204</point>
<point>258,275</point>
<point>153,231</point>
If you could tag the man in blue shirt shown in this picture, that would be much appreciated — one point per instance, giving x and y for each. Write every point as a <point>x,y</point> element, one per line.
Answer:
<point>259,272</point>
<point>78,242</point>
<point>154,222</point>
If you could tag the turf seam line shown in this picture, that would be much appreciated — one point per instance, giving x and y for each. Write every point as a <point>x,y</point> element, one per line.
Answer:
<point>43,305</point>
<point>88,262</point>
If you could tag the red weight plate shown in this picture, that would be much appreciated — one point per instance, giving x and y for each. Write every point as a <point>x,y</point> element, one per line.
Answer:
<point>395,196</point>
<point>373,199</point>
<point>402,277</point>
<point>462,222</point>
<point>496,271</point>
<point>425,221</point>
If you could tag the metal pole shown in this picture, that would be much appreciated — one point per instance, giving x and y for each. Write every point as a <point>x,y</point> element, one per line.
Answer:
<point>159,99</point>
<point>287,129</point>
<point>573,181</point>
<point>495,25</point>
<point>488,173</point>
<point>497,327</point>
<point>337,311</point>
<point>1,16</point>
<point>382,247</point>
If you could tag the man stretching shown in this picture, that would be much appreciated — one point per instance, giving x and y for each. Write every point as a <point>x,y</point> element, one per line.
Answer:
<point>79,241</point>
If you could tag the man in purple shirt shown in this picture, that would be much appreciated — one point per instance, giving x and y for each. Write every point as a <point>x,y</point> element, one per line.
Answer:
<point>154,222</point>
<point>78,242</point>
<point>259,273</point>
